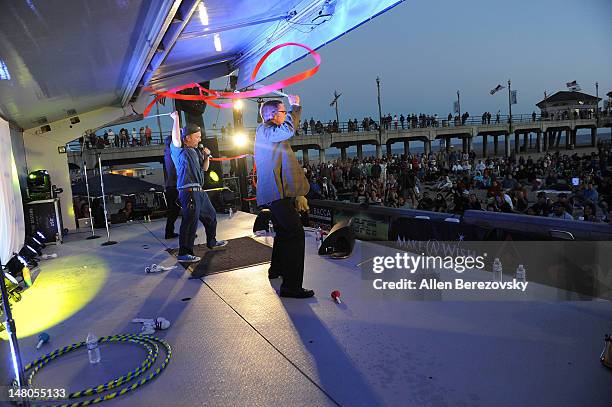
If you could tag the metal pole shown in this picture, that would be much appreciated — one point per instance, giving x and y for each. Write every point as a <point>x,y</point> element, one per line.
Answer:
<point>336,104</point>
<point>159,122</point>
<point>459,108</point>
<point>379,112</point>
<point>510,108</point>
<point>12,335</point>
<point>108,241</point>
<point>597,101</point>
<point>93,235</point>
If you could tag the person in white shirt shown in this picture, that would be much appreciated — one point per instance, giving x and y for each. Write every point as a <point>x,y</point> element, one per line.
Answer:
<point>111,137</point>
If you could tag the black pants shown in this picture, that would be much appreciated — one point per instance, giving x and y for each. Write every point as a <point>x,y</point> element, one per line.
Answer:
<point>173,209</point>
<point>288,249</point>
<point>196,206</point>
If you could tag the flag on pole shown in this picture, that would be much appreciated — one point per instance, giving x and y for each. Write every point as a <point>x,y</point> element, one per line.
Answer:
<point>513,97</point>
<point>497,89</point>
<point>456,107</point>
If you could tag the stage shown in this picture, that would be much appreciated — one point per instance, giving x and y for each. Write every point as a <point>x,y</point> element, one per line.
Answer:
<point>236,343</point>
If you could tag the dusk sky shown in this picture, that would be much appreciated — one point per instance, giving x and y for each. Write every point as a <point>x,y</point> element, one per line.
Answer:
<point>425,51</point>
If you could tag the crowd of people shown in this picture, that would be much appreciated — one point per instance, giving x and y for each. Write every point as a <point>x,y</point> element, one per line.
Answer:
<point>124,138</point>
<point>554,185</point>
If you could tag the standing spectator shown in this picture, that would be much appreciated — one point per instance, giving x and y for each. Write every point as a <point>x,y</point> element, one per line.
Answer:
<point>112,140</point>
<point>134,136</point>
<point>141,136</point>
<point>148,135</point>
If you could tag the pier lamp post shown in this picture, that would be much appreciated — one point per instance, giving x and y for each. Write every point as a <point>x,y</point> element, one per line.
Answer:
<point>379,113</point>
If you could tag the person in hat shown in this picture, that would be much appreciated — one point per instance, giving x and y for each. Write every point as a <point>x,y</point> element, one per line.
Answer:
<point>190,164</point>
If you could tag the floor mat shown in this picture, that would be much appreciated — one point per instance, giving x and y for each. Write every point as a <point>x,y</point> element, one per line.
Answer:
<point>239,253</point>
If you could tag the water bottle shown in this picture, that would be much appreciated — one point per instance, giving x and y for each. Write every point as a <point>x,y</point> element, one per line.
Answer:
<point>48,256</point>
<point>93,350</point>
<point>58,240</point>
<point>319,236</point>
<point>231,213</point>
<point>270,227</point>
<point>521,274</point>
<point>497,270</point>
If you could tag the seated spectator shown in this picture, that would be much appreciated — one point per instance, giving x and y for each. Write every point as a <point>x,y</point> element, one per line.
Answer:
<point>474,203</point>
<point>563,200</point>
<point>509,182</point>
<point>128,210</point>
<point>439,204</point>
<point>426,203</point>
<point>543,206</point>
<point>589,214</point>
<point>559,212</point>
<point>520,202</point>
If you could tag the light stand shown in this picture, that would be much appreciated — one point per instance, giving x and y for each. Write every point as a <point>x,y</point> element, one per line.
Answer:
<point>108,241</point>
<point>93,235</point>
<point>12,334</point>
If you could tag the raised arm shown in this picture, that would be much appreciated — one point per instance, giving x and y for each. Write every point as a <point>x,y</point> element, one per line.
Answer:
<point>176,132</point>
<point>286,130</point>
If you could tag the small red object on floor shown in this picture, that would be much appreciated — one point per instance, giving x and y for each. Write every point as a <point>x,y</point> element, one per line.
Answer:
<point>336,296</point>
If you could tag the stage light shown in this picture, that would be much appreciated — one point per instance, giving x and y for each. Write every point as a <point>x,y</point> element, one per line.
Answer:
<point>217,41</point>
<point>18,268</point>
<point>203,13</point>
<point>240,140</point>
<point>29,253</point>
<point>238,104</point>
<point>36,243</point>
<point>214,176</point>
<point>60,294</point>
<point>40,236</point>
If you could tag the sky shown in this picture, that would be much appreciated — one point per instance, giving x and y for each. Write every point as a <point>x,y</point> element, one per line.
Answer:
<point>425,51</point>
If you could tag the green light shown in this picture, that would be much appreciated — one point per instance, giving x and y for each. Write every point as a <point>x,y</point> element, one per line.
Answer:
<point>214,176</point>
<point>32,176</point>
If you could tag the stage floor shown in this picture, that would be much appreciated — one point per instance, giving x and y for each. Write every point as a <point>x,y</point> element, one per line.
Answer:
<point>236,343</point>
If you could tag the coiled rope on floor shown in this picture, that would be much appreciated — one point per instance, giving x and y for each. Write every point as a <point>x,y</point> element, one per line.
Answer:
<point>149,342</point>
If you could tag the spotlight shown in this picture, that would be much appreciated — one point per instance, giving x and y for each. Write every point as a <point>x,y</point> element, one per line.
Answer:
<point>214,176</point>
<point>18,269</point>
<point>37,244</point>
<point>238,104</point>
<point>240,140</point>
<point>29,253</point>
<point>39,235</point>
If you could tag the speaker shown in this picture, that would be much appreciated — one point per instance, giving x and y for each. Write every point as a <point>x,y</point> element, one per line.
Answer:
<point>340,240</point>
<point>214,176</point>
<point>262,219</point>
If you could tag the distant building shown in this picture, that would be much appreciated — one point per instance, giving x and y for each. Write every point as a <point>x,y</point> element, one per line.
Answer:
<point>608,103</point>
<point>568,105</point>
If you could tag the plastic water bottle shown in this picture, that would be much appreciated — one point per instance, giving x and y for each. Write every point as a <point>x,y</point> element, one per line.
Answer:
<point>319,236</point>
<point>231,213</point>
<point>93,350</point>
<point>270,227</point>
<point>48,256</point>
<point>521,274</point>
<point>497,270</point>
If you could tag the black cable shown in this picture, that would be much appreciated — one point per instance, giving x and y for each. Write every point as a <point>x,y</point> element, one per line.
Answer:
<point>156,238</point>
<point>273,346</point>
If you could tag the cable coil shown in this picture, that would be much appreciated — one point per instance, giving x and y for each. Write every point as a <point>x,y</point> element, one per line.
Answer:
<point>149,342</point>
